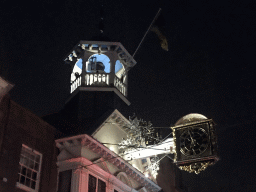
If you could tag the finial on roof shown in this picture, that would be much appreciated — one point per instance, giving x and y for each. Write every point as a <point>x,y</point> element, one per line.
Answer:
<point>101,36</point>
<point>101,24</point>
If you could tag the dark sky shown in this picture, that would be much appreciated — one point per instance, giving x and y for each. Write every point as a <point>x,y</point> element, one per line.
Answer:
<point>209,68</point>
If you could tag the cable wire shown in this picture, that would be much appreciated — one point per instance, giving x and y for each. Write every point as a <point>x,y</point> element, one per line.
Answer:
<point>118,155</point>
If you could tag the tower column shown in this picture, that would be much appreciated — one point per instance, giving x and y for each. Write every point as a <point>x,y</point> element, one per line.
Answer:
<point>126,81</point>
<point>112,59</point>
<point>83,74</point>
<point>112,70</point>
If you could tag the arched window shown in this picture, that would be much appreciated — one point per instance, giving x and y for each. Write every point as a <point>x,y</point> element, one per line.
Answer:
<point>120,71</point>
<point>124,178</point>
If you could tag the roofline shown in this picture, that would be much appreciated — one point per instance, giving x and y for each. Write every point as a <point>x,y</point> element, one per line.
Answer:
<point>108,118</point>
<point>84,140</point>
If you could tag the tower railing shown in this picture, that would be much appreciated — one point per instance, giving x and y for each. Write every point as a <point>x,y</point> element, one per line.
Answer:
<point>75,84</point>
<point>99,80</point>
<point>120,86</point>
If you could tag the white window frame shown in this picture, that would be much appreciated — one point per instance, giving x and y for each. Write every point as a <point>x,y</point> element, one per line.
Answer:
<point>24,187</point>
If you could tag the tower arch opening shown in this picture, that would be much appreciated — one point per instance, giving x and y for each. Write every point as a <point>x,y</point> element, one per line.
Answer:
<point>77,70</point>
<point>98,63</point>
<point>120,71</point>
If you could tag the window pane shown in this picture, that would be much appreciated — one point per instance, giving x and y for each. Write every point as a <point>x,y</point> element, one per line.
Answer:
<point>26,154</point>
<point>22,179</point>
<point>31,164</point>
<point>65,181</point>
<point>27,183</point>
<point>23,170</point>
<point>26,161</point>
<point>32,156</point>
<point>92,184</point>
<point>34,175</point>
<point>36,166</point>
<point>29,173</point>
<point>22,159</point>
<point>33,184</point>
<point>101,186</point>
<point>37,158</point>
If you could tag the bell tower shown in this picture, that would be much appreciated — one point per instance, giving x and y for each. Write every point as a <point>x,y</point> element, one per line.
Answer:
<point>98,80</point>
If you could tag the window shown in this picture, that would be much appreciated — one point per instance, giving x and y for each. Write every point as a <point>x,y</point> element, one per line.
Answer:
<point>93,187</point>
<point>64,184</point>
<point>29,169</point>
<point>101,186</point>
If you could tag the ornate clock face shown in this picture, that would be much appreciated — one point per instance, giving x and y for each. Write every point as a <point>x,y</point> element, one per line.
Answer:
<point>193,141</point>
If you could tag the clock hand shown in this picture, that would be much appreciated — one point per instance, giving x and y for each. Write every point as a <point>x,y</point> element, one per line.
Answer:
<point>194,152</point>
<point>192,140</point>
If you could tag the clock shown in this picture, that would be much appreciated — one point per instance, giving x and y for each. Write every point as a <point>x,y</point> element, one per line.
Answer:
<point>193,141</point>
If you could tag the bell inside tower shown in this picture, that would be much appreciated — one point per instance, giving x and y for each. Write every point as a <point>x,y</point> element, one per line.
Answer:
<point>98,64</point>
<point>95,66</point>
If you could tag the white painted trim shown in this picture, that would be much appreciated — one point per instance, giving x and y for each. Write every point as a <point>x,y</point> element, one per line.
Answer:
<point>109,43</point>
<point>99,89</point>
<point>24,187</point>
<point>87,167</point>
<point>108,119</point>
<point>84,137</point>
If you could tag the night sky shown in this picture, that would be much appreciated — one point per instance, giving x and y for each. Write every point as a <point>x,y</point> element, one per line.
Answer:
<point>209,68</point>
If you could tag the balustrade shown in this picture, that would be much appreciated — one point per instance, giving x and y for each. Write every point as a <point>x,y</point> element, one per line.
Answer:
<point>75,84</point>
<point>120,86</point>
<point>99,79</point>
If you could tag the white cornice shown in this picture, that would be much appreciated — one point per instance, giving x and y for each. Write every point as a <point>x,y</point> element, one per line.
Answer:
<point>99,89</point>
<point>84,164</point>
<point>97,147</point>
<point>114,116</point>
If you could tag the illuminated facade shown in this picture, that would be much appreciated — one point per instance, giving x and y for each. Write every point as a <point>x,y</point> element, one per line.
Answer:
<point>77,149</point>
<point>80,148</point>
<point>98,88</point>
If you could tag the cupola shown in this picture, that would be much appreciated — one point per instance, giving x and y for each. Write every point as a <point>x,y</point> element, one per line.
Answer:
<point>100,66</point>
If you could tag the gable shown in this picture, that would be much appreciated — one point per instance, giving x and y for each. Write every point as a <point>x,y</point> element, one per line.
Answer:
<point>102,164</point>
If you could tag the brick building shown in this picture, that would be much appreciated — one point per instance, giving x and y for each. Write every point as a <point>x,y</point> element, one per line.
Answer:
<point>28,152</point>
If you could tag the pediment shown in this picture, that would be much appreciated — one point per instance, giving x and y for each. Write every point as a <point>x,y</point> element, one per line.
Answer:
<point>102,164</point>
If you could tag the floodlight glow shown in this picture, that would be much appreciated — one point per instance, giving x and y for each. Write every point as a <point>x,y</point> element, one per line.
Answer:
<point>111,148</point>
<point>162,148</point>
